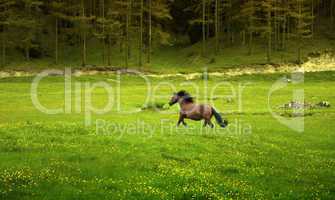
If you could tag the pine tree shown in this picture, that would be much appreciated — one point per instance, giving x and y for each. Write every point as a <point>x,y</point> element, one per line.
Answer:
<point>5,23</point>
<point>57,9</point>
<point>127,32</point>
<point>113,27</point>
<point>83,26</point>
<point>101,20</point>
<point>123,13</point>
<point>200,9</point>
<point>216,26</point>
<point>150,30</point>
<point>280,10</point>
<point>140,48</point>
<point>27,24</point>
<point>267,8</point>
<point>248,13</point>
<point>275,23</point>
<point>203,28</point>
<point>159,13</point>
<point>300,12</point>
<point>332,10</point>
<point>109,25</point>
<point>285,22</point>
<point>228,5</point>
<point>221,27</point>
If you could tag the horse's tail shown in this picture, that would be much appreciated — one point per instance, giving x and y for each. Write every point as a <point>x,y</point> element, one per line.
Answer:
<point>219,120</point>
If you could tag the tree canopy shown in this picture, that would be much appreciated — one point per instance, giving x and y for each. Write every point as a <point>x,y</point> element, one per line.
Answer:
<point>125,24</point>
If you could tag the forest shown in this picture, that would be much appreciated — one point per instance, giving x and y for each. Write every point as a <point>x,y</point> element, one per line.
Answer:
<point>135,30</point>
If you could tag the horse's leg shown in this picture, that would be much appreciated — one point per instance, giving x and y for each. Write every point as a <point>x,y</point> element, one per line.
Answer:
<point>205,123</point>
<point>210,124</point>
<point>181,120</point>
<point>184,123</point>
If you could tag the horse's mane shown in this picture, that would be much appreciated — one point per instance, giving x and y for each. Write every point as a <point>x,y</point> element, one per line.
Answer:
<point>186,96</point>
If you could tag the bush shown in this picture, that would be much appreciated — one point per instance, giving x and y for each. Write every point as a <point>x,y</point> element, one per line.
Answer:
<point>155,106</point>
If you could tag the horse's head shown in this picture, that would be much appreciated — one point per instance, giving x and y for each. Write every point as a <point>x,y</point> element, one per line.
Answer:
<point>174,99</point>
<point>181,95</point>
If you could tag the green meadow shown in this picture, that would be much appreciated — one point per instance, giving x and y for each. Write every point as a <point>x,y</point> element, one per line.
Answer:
<point>135,150</point>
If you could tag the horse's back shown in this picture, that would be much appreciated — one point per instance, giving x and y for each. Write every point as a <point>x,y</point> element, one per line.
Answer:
<point>206,110</point>
<point>198,111</point>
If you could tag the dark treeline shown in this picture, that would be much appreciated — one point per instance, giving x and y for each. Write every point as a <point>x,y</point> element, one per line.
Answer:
<point>123,23</point>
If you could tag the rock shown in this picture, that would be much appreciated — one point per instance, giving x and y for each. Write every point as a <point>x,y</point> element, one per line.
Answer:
<point>297,105</point>
<point>324,104</point>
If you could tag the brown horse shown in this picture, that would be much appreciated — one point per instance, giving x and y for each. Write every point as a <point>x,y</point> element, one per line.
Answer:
<point>197,112</point>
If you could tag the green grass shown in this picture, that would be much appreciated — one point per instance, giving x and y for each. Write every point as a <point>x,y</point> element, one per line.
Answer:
<point>57,157</point>
<point>183,58</point>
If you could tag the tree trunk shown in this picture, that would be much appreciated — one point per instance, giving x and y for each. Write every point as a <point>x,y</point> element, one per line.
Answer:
<point>284,33</point>
<point>140,50</point>
<point>129,27</point>
<point>288,28</point>
<point>3,63</point>
<point>109,50</point>
<point>56,40</point>
<point>230,24</point>
<point>232,39</point>
<point>312,27</point>
<point>332,7</point>
<point>299,31</point>
<point>221,29</point>
<point>250,42</point>
<point>269,35</point>
<point>275,27</point>
<point>127,35</point>
<point>121,40</point>
<point>203,27</point>
<point>103,33</point>
<point>84,50</point>
<point>208,17</point>
<point>28,43</point>
<point>216,26</point>
<point>319,15</point>
<point>150,32</point>
<point>83,36</point>
<point>27,53</point>
<point>251,27</point>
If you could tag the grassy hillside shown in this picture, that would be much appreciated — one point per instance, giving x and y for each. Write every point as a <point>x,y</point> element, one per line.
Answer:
<point>180,57</point>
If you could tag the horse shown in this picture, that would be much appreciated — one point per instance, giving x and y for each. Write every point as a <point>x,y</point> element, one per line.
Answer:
<point>196,112</point>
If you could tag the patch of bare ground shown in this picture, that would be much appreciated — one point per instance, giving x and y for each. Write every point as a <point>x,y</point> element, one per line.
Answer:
<point>319,63</point>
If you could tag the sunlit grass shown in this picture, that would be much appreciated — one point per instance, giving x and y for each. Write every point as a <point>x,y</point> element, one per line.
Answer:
<point>57,157</point>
